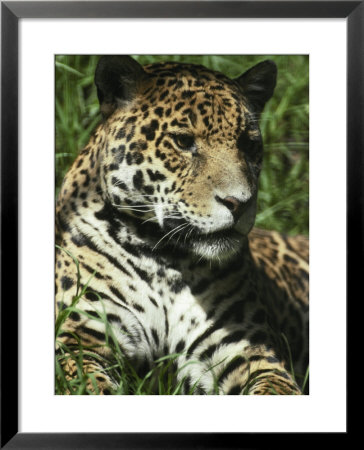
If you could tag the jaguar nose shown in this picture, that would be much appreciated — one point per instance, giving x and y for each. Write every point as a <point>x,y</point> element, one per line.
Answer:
<point>233,204</point>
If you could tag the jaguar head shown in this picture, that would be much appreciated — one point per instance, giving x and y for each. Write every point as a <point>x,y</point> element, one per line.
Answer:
<point>183,148</point>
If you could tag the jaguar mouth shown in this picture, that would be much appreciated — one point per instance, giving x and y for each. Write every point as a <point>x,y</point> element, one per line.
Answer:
<point>222,235</point>
<point>217,244</point>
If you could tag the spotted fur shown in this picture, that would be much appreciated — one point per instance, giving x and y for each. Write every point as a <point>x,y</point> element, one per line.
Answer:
<point>158,210</point>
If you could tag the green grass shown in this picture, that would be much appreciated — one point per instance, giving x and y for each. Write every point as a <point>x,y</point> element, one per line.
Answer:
<point>283,194</point>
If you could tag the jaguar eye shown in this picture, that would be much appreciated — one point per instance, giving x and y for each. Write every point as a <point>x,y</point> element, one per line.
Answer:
<point>249,147</point>
<point>184,141</point>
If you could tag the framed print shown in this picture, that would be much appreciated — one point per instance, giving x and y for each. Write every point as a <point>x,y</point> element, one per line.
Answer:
<point>222,58</point>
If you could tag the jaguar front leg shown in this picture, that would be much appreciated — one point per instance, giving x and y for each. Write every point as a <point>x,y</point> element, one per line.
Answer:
<point>84,364</point>
<point>259,374</point>
<point>238,368</point>
<point>87,377</point>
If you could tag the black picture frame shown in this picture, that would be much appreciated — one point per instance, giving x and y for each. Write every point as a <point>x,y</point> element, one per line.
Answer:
<point>11,12</point>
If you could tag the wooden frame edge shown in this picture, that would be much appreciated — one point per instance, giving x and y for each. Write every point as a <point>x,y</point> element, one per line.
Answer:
<point>11,12</point>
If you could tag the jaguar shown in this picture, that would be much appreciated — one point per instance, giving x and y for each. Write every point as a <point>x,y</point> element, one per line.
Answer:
<point>155,234</point>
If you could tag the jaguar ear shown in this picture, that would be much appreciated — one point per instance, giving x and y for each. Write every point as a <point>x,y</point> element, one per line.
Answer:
<point>117,78</point>
<point>258,84</point>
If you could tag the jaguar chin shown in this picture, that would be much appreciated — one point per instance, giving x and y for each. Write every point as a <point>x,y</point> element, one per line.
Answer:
<point>218,246</point>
